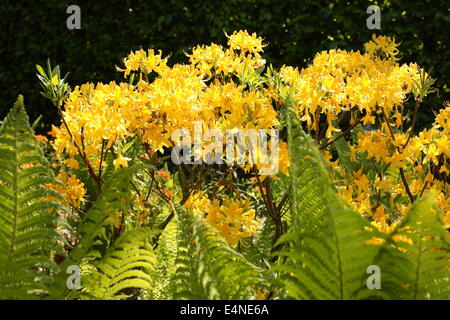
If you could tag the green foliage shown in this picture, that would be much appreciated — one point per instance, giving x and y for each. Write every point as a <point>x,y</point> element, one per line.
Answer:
<point>207,267</point>
<point>257,249</point>
<point>327,253</point>
<point>126,265</point>
<point>415,258</point>
<point>325,235</point>
<point>55,88</point>
<point>28,240</point>
<point>163,276</point>
<point>97,232</point>
<point>296,29</point>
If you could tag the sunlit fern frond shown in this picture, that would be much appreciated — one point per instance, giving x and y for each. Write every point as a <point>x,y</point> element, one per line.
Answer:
<point>126,265</point>
<point>325,253</point>
<point>97,231</point>
<point>207,267</point>
<point>414,260</point>
<point>28,211</point>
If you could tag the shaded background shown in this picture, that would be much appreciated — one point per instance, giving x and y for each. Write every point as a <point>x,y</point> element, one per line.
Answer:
<point>32,31</point>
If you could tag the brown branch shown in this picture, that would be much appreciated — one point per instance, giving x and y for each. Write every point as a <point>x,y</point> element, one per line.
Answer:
<point>270,198</point>
<point>411,133</point>
<point>316,121</point>
<point>423,189</point>
<point>405,183</point>
<point>82,154</point>
<point>402,173</point>
<point>283,201</point>
<point>347,131</point>
<point>263,195</point>
<point>100,169</point>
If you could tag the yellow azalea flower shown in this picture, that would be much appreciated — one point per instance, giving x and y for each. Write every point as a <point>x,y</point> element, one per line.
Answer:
<point>382,46</point>
<point>368,119</point>
<point>72,163</point>
<point>233,218</point>
<point>145,62</point>
<point>431,154</point>
<point>72,189</point>
<point>244,42</point>
<point>121,162</point>
<point>397,160</point>
<point>443,145</point>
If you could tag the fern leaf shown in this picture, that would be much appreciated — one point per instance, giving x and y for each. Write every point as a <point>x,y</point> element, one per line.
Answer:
<point>207,267</point>
<point>163,284</point>
<point>27,213</point>
<point>415,259</point>
<point>326,251</point>
<point>96,229</point>
<point>126,265</point>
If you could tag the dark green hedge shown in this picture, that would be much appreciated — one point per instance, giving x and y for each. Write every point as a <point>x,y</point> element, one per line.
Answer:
<point>31,31</point>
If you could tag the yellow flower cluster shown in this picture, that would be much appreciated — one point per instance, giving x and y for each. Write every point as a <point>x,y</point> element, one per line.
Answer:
<point>97,117</point>
<point>340,81</point>
<point>382,47</point>
<point>72,189</point>
<point>100,117</point>
<point>221,88</point>
<point>233,219</point>
<point>393,166</point>
<point>145,62</point>
<point>243,53</point>
<point>424,160</point>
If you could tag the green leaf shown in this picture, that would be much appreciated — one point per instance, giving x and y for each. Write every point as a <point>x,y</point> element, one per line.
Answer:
<point>96,229</point>
<point>55,80</point>
<point>127,264</point>
<point>41,71</point>
<point>207,267</point>
<point>326,251</point>
<point>415,258</point>
<point>27,211</point>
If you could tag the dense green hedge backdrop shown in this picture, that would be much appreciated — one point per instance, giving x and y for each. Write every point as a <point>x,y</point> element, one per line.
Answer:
<point>31,31</point>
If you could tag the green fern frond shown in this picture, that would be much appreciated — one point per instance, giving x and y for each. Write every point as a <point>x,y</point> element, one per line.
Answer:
<point>207,267</point>
<point>126,265</point>
<point>27,211</point>
<point>415,259</point>
<point>325,253</point>
<point>163,285</point>
<point>257,249</point>
<point>96,229</point>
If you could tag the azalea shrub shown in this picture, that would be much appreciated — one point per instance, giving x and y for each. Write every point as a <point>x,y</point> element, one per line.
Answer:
<point>145,197</point>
